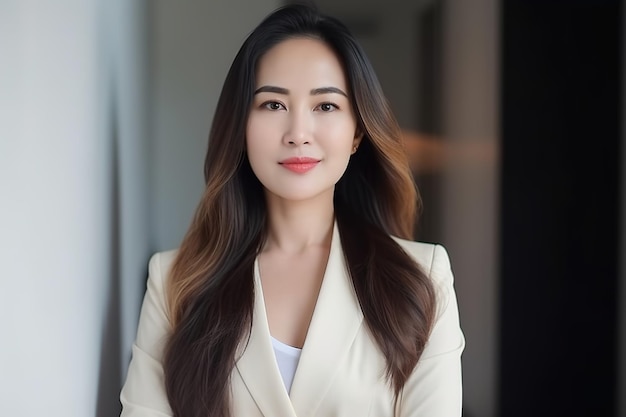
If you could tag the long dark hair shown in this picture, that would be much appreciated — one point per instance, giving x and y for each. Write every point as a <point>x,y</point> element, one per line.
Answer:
<point>210,291</point>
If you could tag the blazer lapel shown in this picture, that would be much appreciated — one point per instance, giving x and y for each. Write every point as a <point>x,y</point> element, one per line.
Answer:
<point>334,325</point>
<point>257,365</point>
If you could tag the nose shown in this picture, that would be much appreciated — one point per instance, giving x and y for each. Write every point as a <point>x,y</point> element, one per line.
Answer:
<point>299,129</point>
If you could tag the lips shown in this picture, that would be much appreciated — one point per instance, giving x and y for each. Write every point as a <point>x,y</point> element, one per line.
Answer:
<point>300,164</point>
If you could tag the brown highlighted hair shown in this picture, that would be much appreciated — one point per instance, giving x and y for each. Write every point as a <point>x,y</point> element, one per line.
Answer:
<point>210,291</point>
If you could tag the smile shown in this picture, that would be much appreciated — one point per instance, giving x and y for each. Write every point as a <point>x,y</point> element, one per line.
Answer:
<point>299,165</point>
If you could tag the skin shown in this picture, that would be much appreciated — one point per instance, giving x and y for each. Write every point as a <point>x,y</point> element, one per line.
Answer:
<point>301,109</point>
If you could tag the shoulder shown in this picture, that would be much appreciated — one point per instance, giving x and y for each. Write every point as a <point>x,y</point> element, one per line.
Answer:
<point>164,258</point>
<point>432,258</point>
<point>161,263</point>
<point>434,261</point>
<point>159,268</point>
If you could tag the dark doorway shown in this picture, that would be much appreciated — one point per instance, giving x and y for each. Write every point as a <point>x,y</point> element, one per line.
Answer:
<point>560,107</point>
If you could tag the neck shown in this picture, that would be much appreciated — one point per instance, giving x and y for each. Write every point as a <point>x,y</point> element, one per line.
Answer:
<point>294,226</point>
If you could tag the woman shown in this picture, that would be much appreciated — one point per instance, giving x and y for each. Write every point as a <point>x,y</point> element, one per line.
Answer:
<point>297,290</point>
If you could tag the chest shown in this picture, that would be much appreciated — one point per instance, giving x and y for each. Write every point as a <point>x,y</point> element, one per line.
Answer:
<point>291,286</point>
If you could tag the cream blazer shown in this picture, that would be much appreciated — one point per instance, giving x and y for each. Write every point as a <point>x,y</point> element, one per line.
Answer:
<point>341,370</point>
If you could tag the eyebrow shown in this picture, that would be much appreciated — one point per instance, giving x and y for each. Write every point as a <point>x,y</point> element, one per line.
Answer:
<point>314,92</point>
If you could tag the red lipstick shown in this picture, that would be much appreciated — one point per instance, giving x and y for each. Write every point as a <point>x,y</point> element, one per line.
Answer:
<point>300,164</point>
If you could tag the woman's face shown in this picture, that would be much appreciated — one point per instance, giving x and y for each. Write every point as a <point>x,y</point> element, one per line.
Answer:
<point>301,129</point>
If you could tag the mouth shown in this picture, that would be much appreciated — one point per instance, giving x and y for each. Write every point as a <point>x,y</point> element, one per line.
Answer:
<point>299,165</point>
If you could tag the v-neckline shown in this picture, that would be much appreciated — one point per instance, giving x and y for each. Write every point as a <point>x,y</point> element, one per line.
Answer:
<point>336,320</point>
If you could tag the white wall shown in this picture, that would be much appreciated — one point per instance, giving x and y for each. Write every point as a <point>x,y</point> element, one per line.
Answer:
<point>54,188</point>
<point>193,45</point>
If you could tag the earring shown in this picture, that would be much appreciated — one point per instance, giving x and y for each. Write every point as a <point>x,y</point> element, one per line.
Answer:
<point>354,148</point>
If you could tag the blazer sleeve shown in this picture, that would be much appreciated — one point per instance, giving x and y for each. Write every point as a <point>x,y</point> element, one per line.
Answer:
<point>143,393</point>
<point>435,387</point>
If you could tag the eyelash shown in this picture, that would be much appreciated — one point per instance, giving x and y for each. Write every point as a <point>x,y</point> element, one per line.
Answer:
<point>335,107</point>
<point>267,105</point>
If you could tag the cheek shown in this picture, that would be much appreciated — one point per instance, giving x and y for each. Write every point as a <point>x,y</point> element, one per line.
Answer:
<point>264,125</point>
<point>261,145</point>
<point>339,136</point>
<point>256,135</point>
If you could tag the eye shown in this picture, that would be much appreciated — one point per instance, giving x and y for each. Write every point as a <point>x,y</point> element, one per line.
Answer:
<point>327,107</point>
<point>273,105</point>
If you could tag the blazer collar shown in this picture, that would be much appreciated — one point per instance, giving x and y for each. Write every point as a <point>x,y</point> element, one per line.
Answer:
<point>334,325</point>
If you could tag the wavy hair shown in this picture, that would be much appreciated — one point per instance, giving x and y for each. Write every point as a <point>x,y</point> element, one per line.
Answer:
<point>210,290</point>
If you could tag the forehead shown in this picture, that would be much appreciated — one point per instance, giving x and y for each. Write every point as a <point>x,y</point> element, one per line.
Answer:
<point>304,62</point>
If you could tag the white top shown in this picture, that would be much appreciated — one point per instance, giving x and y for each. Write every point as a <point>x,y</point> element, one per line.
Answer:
<point>287,358</point>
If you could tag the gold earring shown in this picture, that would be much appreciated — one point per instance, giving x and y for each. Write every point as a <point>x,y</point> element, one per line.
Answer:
<point>354,148</point>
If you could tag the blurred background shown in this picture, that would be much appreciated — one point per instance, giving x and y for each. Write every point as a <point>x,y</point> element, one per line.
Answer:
<point>514,122</point>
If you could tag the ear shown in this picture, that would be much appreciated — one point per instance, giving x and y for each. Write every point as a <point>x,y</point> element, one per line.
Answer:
<point>358,136</point>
